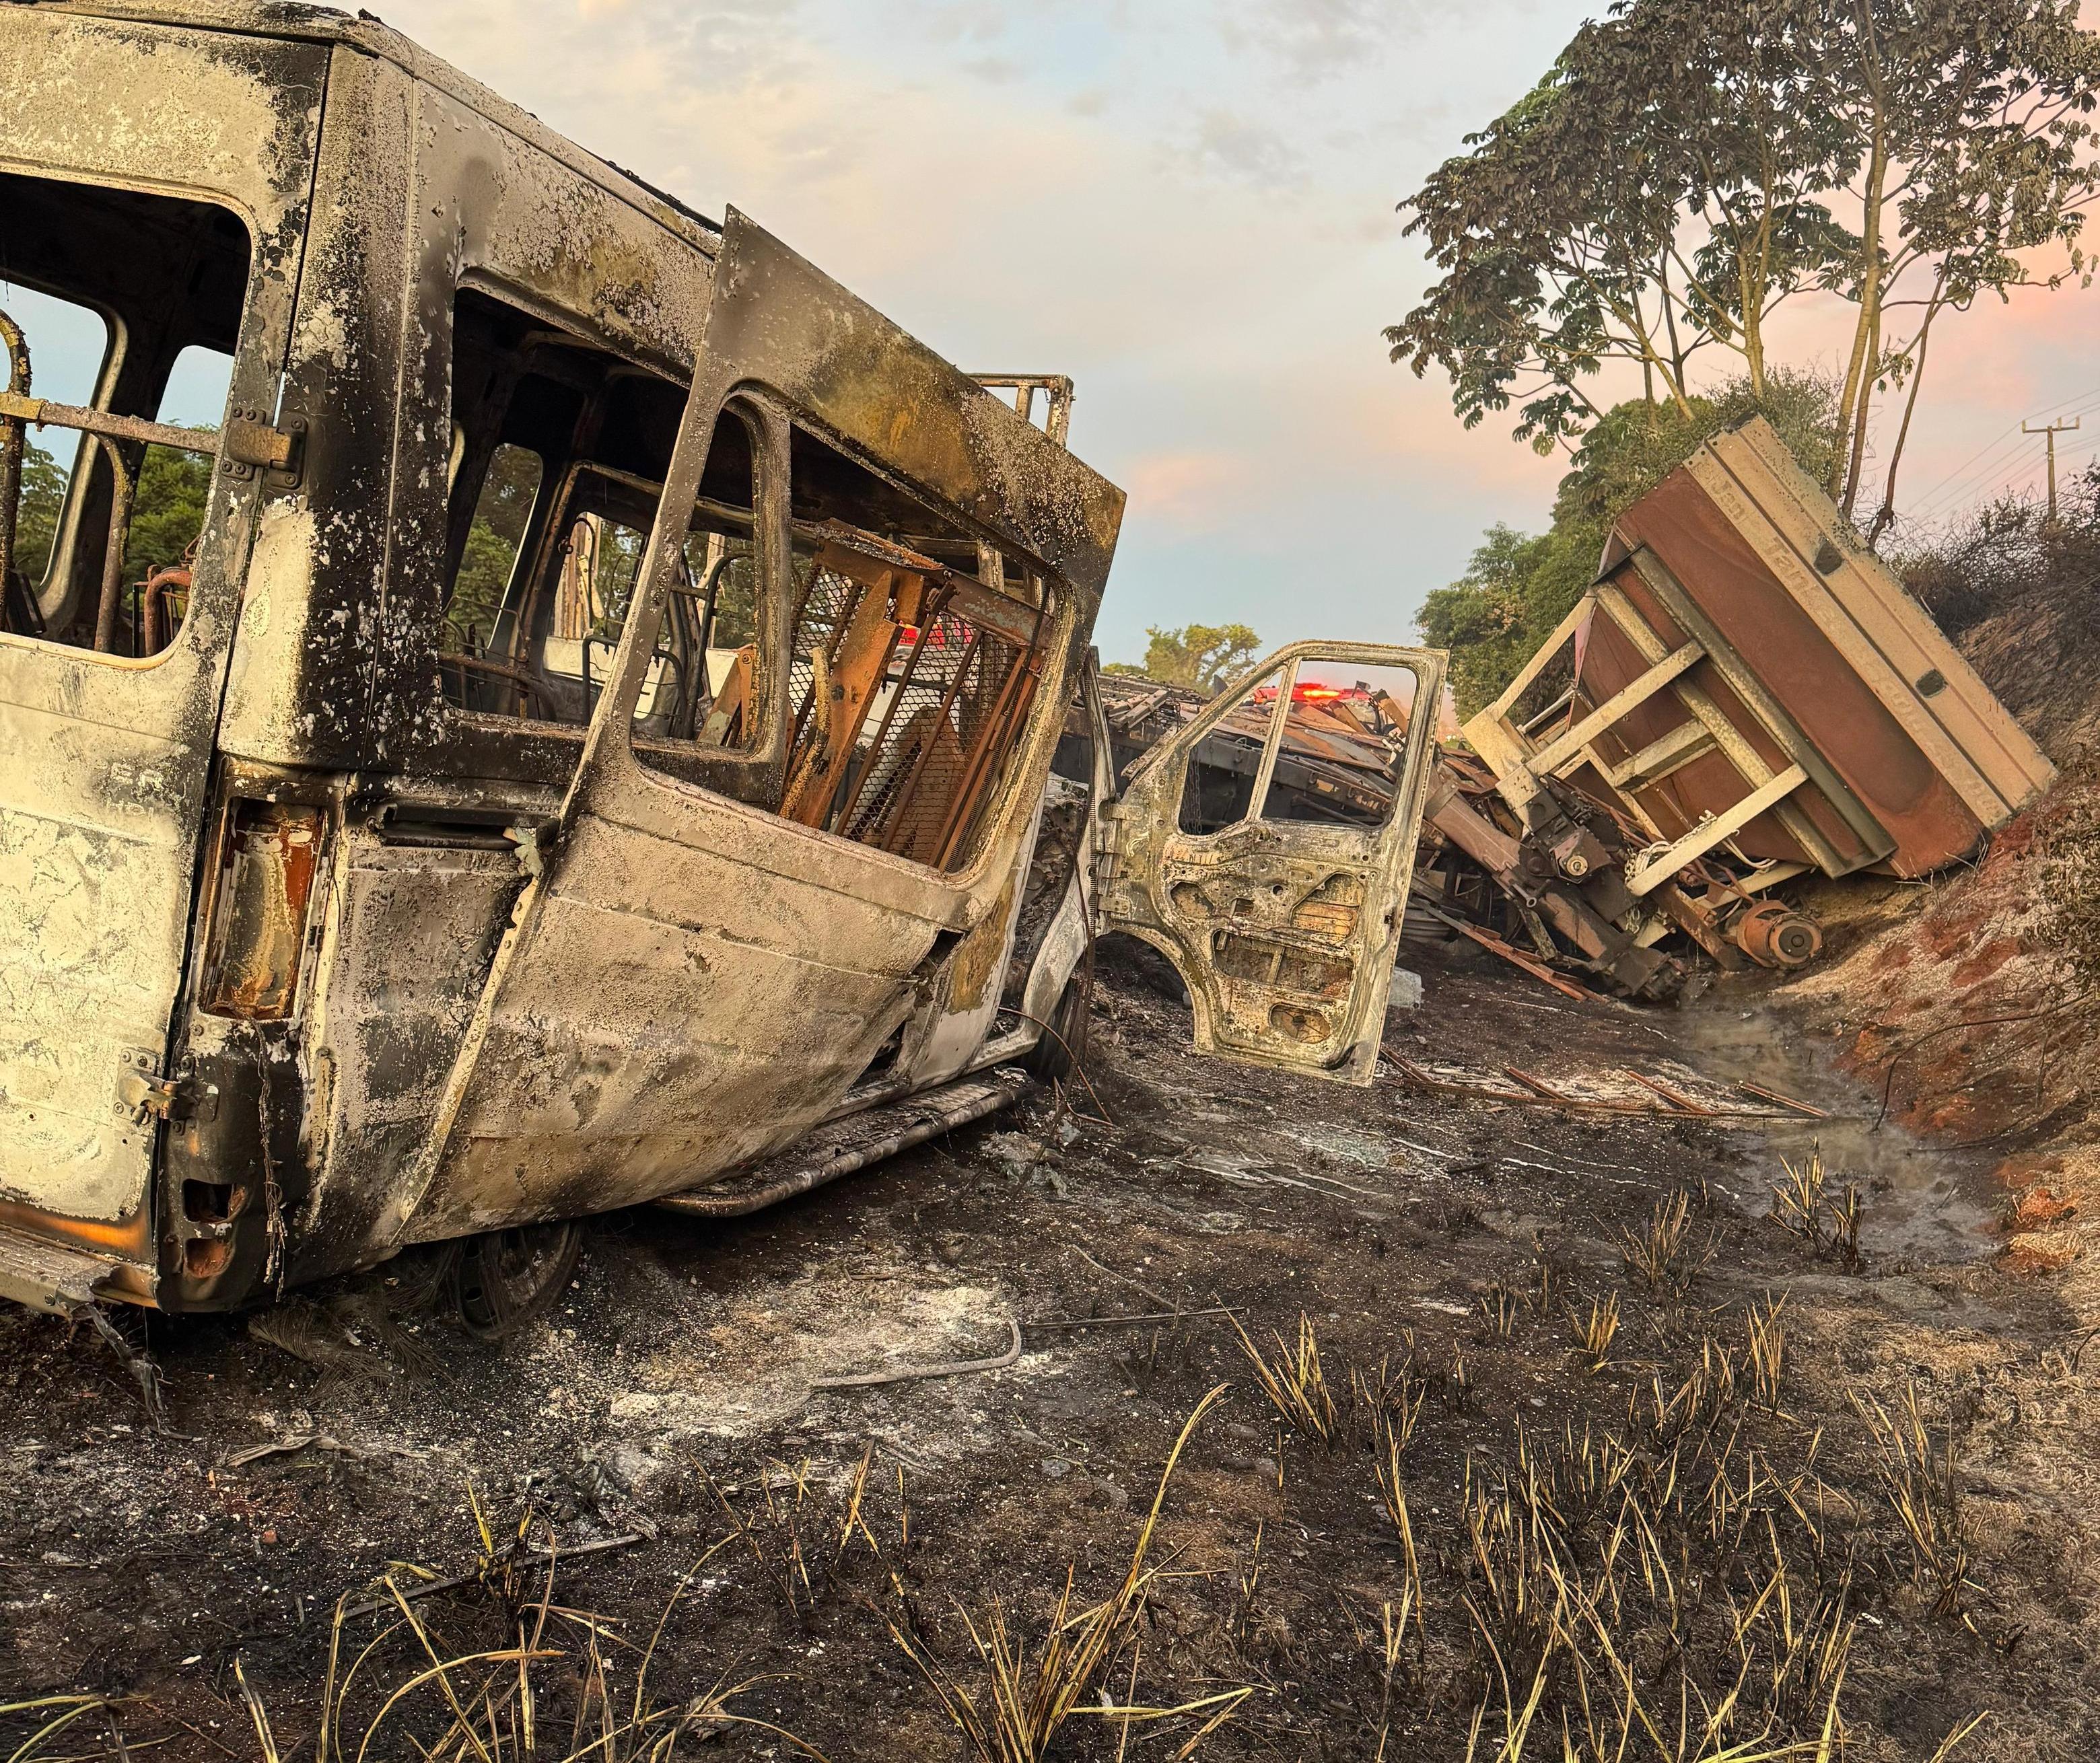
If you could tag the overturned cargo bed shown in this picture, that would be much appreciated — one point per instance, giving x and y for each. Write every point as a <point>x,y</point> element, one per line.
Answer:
<point>1745,672</point>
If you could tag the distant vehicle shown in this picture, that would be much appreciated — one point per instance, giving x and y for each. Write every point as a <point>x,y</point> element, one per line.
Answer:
<point>598,737</point>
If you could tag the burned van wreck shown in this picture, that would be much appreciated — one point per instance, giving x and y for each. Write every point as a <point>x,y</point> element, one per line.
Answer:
<point>594,731</point>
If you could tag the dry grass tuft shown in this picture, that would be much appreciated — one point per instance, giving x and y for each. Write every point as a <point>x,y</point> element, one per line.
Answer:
<point>800,1536</point>
<point>1797,1200</point>
<point>1392,1398</point>
<point>1657,1251</point>
<point>1802,1204</point>
<point>1767,1349</point>
<point>1024,1698</point>
<point>541,1692</point>
<point>1295,1384</point>
<point>1846,1214</point>
<point>1922,1487</point>
<point>1596,1329</point>
<point>1458,1381</point>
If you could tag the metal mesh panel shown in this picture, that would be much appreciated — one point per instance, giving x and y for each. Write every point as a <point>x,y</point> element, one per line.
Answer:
<point>935,737</point>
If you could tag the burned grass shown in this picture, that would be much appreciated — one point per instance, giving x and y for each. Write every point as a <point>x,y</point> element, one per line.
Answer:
<point>1425,1520</point>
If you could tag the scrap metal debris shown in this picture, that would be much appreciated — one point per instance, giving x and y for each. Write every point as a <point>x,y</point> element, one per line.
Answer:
<point>1746,697</point>
<point>957,1368</point>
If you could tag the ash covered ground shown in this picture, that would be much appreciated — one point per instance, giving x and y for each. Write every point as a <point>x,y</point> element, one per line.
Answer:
<point>1554,1483</point>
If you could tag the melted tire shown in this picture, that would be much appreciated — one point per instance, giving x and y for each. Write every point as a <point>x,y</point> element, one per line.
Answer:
<point>503,1280</point>
<point>1052,1058</point>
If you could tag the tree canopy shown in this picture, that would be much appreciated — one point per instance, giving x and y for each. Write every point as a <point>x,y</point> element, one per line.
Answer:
<point>1684,168</point>
<point>1517,586</point>
<point>42,501</point>
<point>167,511</point>
<point>1201,656</point>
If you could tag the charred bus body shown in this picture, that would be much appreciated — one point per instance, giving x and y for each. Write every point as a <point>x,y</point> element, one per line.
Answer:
<point>598,732</point>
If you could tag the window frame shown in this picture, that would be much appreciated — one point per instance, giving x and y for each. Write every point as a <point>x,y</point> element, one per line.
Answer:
<point>775,526</point>
<point>489,743</point>
<point>256,298</point>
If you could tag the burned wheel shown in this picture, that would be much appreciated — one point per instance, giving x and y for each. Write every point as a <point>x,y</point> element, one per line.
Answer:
<point>504,1279</point>
<point>1052,1058</point>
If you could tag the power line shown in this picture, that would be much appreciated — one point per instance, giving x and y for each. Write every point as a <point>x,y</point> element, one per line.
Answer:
<point>1977,465</point>
<point>1968,482</point>
<point>1971,483</point>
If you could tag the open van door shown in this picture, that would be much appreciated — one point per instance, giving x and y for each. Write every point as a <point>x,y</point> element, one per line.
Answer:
<point>1266,850</point>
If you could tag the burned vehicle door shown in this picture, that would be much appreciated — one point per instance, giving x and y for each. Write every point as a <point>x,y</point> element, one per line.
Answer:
<point>164,219</point>
<point>773,864</point>
<point>1268,847</point>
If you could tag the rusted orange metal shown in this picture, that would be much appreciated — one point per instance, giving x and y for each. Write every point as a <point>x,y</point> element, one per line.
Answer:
<point>1745,673</point>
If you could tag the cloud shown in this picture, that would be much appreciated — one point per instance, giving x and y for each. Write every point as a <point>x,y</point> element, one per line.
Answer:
<point>996,70</point>
<point>1238,144</point>
<point>1035,187</point>
<point>1195,488</point>
<point>976,21</point>
<point>1317,39</point>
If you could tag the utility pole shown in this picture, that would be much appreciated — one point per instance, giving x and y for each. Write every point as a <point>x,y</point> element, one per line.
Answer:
<point>2051,429</point>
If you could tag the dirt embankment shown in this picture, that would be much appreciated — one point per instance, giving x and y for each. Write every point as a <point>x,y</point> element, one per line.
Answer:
<point>1545,1401</point>
<point>1972,1002</point>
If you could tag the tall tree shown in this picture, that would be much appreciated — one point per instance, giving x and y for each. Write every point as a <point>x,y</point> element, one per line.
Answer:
<point>1653,197</point>
<point>1684,168</point>
<point>1203,656</point>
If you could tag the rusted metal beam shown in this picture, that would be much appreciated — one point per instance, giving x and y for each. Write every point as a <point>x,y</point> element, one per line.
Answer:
<point>1678,1100</point>
<point>123,487</point>
<point>1763,1094</point>
<point>41,412</point>
<point>1517,957</point>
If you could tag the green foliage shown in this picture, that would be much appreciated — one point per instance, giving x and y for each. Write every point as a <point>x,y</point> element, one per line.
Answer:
<point>499,515</point>
<point>1493,618</point>
<point>1201,656</point>
<point>167,511</point>
<point>1685,168</point>
<point>1518,588</point>
<point>37,523</point>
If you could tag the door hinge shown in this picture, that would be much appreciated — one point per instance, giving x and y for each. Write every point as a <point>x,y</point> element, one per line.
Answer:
<point>247,444</point>
<point>146,1095</point>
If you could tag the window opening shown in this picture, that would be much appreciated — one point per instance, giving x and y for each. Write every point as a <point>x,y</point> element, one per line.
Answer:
<point>67,346</point>
<point>107,298</point>
<point>915,657</point>
<point>909,684</point>
<point>702,693</point>
<point>915,650</point>
<point>559,449</point>
<point>1344,747</point>
<point>489,565</point>
<point>593,590</point>
<point>199,384</point>
<point>1219,790</point>
<point>168,499</point>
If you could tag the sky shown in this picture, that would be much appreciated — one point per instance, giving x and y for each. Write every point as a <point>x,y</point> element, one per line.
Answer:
<point>1190,209</point>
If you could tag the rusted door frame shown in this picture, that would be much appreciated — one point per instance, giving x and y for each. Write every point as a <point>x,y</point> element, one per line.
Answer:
<point>780,330</point>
